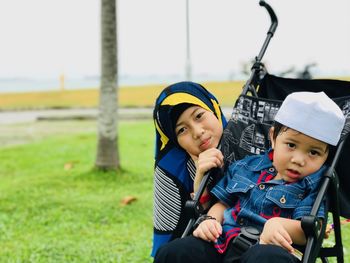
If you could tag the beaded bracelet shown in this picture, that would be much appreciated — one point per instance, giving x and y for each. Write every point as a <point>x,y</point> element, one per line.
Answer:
<point>201,219</point>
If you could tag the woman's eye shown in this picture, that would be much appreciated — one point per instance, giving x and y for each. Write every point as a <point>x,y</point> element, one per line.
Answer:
<point>199,115</point>
<point>180,131</point>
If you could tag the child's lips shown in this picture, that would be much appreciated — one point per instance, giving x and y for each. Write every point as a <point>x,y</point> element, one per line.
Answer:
<point>293,174</point>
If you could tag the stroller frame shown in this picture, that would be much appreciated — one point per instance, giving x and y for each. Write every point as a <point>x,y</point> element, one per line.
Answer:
<point>313,229</point>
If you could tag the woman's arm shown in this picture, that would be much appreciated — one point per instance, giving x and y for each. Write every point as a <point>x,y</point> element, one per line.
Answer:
<point>167,208</point>
<point>206,160</point>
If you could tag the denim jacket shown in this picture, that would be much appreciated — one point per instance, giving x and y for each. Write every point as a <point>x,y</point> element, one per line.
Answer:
<point>253,196</point>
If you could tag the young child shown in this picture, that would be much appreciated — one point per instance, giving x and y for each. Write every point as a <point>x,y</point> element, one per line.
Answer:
<point>189,124</point>
<point>273,191</point>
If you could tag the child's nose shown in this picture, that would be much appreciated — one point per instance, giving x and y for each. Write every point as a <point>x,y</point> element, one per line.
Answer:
<point>298,159</point>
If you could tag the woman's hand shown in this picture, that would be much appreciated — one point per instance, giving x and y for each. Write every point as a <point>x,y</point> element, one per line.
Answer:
<point>207,160</point>
<point>208,230</point>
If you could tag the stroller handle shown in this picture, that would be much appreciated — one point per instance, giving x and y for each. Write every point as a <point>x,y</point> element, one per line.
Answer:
<point>252,82</point>
<point>274,20</point>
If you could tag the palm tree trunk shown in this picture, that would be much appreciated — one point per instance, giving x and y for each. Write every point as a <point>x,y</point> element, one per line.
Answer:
<point>107,146</point>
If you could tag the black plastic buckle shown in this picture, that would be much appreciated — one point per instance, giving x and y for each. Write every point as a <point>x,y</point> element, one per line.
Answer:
<point>240,244</point>
<point>249,236</point>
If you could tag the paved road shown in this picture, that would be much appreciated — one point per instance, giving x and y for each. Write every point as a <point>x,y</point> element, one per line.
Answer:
<point>12,117</point>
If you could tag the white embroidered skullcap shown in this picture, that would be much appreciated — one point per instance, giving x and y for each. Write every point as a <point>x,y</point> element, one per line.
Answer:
<point>314,114</point>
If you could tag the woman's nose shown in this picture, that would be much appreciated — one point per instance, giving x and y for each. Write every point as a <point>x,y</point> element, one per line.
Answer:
<point>198,131</point>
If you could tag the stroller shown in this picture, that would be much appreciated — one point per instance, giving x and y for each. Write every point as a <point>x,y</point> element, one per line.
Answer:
<point>247,133</point>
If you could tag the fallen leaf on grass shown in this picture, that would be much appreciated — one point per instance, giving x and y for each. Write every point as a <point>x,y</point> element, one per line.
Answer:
<point>127,200</point>
<point>68,166</point>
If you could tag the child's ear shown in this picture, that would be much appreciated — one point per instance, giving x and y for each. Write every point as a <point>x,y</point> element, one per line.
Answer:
<point>272,129</point>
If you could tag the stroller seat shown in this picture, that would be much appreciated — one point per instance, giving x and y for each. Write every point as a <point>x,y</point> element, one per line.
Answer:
<point>247,133</point>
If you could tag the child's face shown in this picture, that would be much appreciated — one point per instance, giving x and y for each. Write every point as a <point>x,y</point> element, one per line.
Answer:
<point>297,155</point>
<point>198,130</point>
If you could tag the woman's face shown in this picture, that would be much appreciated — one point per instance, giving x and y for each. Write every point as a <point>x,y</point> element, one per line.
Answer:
<point>198,130</point>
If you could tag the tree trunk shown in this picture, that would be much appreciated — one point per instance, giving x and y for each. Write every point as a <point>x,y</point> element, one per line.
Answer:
<point>107,146</point>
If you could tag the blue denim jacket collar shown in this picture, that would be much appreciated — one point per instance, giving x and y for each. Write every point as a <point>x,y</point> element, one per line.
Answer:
<point>265,162</point>
<point>261,163</point>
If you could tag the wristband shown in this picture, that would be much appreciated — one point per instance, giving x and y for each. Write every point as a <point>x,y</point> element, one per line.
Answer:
<point>201,219</point>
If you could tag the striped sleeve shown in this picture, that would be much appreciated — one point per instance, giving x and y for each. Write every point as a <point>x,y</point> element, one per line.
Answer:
<point>191,167</point>
<point>167,202</point>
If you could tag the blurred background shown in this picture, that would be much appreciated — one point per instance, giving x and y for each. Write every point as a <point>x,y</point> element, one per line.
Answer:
<point>52,45</point>
<point>55,206</point>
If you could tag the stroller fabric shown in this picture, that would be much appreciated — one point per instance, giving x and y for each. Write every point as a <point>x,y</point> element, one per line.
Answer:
<point>277,88</point>
<point>247,129</point>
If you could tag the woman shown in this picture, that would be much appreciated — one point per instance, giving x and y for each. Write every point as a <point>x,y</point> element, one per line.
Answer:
<point>179,170</point>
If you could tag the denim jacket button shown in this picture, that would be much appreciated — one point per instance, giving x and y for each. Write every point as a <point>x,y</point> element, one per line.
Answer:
<point>283,200</point>
<point>261,186</point>
<point>271,169</point>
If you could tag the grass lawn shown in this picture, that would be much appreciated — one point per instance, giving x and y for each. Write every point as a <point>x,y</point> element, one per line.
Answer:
<point>55,208</point>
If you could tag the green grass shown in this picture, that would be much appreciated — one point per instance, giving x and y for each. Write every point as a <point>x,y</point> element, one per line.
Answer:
<point>52,214</point>
<point>49,214</point>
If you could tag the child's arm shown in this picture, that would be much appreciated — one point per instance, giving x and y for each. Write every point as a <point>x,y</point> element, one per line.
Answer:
<point>211,229</point>
<point>283,232</point>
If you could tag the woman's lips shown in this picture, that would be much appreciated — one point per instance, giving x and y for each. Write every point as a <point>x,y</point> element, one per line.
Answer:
<point>205,144</point>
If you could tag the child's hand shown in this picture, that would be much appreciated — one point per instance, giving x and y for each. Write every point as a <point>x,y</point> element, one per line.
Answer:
<point>328,231</point>
<point>208,159</point>
<point>208,230</point>
<point>274,233</point>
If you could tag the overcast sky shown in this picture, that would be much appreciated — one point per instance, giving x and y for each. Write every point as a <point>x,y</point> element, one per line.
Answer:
<point>44,38</point>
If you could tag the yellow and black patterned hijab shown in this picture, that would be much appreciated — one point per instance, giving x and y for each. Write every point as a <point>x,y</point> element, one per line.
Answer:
<point>170,98</point>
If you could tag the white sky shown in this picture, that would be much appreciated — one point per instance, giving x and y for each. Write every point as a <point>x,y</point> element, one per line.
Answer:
<point>44,38</point>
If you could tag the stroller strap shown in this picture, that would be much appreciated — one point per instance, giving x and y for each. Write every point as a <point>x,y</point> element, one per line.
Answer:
<point>248,237</point>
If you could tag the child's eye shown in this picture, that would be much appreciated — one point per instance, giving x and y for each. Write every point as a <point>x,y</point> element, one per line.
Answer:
<point>291,145</point>
<point>314,153</point>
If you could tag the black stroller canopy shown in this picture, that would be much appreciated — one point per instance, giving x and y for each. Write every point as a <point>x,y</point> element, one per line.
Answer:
<point>277,88</point>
